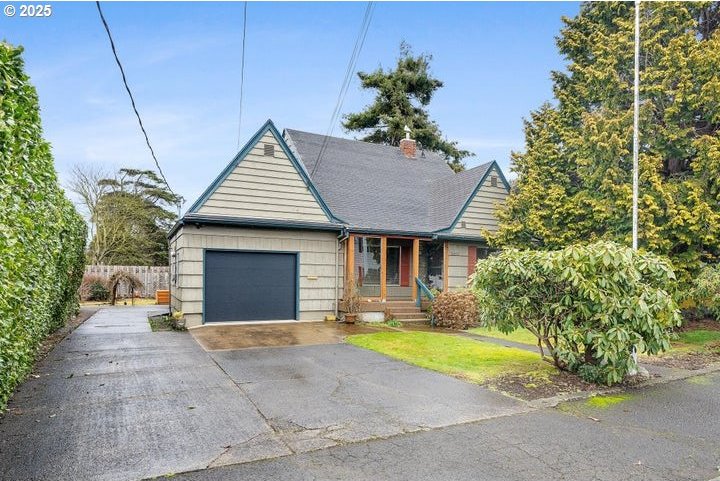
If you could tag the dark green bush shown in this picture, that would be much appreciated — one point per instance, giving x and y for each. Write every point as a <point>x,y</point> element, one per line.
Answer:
<point>42,237</point>
<point>587,304</point>
<point>94,288</point>
<point>98,292</point>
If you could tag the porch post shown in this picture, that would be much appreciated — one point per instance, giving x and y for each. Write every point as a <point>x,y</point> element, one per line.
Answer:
<point>416,268</point>
<point>383,268</point>
<point>446,270</point>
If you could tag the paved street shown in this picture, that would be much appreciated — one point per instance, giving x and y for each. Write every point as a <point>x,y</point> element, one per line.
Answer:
<point>668,432</point>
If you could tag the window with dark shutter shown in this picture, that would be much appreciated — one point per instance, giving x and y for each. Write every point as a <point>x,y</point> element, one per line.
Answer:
<point>472,259</point>
<point>493,180</point>
<point>269,150</point>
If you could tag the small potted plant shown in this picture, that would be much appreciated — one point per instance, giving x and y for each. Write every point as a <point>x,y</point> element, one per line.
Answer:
<point>178,320</point>
<point>351,302</point>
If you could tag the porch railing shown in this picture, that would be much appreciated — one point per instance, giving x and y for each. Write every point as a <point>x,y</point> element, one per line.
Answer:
<point>424,290</point>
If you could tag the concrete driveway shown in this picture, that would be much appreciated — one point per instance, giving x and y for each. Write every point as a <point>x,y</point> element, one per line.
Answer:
<point>115,401</point>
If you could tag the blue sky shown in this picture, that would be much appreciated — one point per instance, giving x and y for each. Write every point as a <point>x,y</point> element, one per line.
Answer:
<point>183,64</point>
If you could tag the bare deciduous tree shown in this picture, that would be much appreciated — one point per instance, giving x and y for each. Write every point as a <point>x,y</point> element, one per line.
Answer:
<point>103,237</point>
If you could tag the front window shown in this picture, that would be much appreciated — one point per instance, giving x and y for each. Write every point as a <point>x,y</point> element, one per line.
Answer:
<point>367,266</point>
<point>435,259</point>
<point>174,266</point>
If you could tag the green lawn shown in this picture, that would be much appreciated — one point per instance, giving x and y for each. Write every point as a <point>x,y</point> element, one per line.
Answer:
<point>458,356</point>
<point>518,335</point>
<point>699,337</point>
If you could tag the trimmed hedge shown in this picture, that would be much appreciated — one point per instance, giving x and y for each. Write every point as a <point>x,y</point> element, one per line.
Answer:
<point>42,237</point>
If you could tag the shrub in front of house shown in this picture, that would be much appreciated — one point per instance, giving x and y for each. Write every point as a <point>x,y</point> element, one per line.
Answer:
<point>42,237</point>
<point>705,292</point>
<point>587,304</point>
<point>455,309</point>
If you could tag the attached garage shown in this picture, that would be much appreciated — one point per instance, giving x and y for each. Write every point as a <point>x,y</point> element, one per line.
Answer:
<point>250,286</point>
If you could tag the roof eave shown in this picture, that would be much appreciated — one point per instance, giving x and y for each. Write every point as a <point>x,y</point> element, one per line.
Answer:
<point>199,220</point>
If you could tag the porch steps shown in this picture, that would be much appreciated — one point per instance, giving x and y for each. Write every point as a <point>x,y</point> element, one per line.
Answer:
<point>404,311</point>
<point>401,310</point>
<point>408,316</point>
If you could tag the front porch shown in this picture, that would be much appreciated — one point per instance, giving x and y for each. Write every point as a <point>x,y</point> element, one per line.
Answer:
<point>387,270</point>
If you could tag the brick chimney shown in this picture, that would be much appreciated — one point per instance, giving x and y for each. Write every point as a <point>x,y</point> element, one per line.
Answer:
<point>407,145</point>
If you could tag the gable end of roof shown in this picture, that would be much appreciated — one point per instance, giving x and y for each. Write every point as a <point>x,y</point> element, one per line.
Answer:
<point>493,165</point>
<point>267,127</point>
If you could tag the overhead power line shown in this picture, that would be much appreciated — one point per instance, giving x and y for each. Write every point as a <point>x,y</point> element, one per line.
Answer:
<point>359,42</point>
<point>132,99</point>
<point>242,73</point>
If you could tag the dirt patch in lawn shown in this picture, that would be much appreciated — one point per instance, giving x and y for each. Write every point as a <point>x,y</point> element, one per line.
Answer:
<point>700,324</point>
<point>691,360</point>
<point>531,387</point>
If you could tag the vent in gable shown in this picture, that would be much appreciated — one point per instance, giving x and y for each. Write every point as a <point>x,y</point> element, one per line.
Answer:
<point>493,180</point>
<point>269,150</point>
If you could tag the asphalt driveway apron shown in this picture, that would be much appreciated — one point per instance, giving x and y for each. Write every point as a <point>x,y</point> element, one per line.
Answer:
<point>114,401</point>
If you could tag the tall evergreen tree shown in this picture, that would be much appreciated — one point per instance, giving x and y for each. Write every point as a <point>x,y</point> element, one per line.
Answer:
<point>574,180</point>
<point>403,95</point>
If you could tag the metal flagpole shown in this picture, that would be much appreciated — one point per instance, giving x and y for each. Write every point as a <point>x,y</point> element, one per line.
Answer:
<point>636,121</point>
<point>636,149</point>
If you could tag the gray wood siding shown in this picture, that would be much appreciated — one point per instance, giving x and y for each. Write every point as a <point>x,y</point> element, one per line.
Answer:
<point>175,296</point>
<point>266,188</point>
<point>457,265</point>
<point>480,213</point>
<point>317,264</point>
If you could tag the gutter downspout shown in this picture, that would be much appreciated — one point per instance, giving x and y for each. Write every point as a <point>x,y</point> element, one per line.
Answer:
<point>344,235</point>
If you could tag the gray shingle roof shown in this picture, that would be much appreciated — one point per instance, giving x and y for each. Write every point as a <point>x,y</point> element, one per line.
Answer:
<point>373,186</point>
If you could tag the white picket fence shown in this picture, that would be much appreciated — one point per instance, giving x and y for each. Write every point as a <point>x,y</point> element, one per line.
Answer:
<point>152,277</point>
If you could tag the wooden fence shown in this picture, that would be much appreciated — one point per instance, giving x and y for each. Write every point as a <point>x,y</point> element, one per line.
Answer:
<point>152,277</point>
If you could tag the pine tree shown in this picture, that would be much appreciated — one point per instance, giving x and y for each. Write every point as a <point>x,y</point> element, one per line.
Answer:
<point>403,95</point>
<point>574,180</point>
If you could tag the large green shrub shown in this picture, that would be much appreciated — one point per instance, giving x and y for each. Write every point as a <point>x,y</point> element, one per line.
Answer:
<point>42,237</point>
<point>588,305</point>
<point>705,292</point>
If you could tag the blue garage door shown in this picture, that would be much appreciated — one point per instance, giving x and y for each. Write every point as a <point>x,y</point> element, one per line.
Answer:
<point>250,286</point>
